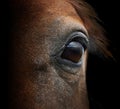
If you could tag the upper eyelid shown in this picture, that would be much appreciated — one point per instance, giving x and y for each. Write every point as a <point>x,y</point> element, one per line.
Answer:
<point>77,34</point>
<point>84,36</point>
<point>83,31</point>
<point>70,37</point>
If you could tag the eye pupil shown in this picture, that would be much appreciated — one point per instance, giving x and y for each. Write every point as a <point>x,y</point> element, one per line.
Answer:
<point>73,52</point>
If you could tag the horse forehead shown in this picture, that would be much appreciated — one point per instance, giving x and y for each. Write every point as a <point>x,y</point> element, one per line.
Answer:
<point>56,5</point>
<point>43,11</point>
<point>43,17</point>
<point>35,6</point>
<point>57,9</point>
<point>37,3</point>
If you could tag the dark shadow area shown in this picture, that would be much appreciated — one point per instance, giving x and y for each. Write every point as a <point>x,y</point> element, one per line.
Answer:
<point>4,52</point>
<point>103,74</point>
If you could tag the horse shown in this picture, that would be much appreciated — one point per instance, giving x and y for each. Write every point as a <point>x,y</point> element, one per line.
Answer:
<point>50,41</point>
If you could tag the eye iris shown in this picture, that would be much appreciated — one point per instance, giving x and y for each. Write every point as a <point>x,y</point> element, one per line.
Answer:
<point>73,52</point>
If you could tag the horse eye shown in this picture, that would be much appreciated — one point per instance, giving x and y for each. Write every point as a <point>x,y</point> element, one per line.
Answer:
<point>73,51</point>
<point>69,56</point>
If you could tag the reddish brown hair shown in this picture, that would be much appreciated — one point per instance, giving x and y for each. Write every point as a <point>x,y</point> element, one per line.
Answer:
<point>98,41</point>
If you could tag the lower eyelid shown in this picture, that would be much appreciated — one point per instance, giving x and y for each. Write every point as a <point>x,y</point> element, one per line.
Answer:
<point>67,66</point>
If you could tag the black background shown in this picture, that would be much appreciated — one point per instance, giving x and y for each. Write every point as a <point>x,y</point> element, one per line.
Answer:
<point>103,74</point>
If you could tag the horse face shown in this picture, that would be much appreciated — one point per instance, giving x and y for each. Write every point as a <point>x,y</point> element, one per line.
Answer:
<point>48,56</point>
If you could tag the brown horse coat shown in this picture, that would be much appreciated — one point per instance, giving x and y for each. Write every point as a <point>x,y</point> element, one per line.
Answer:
<point>42,74</point>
